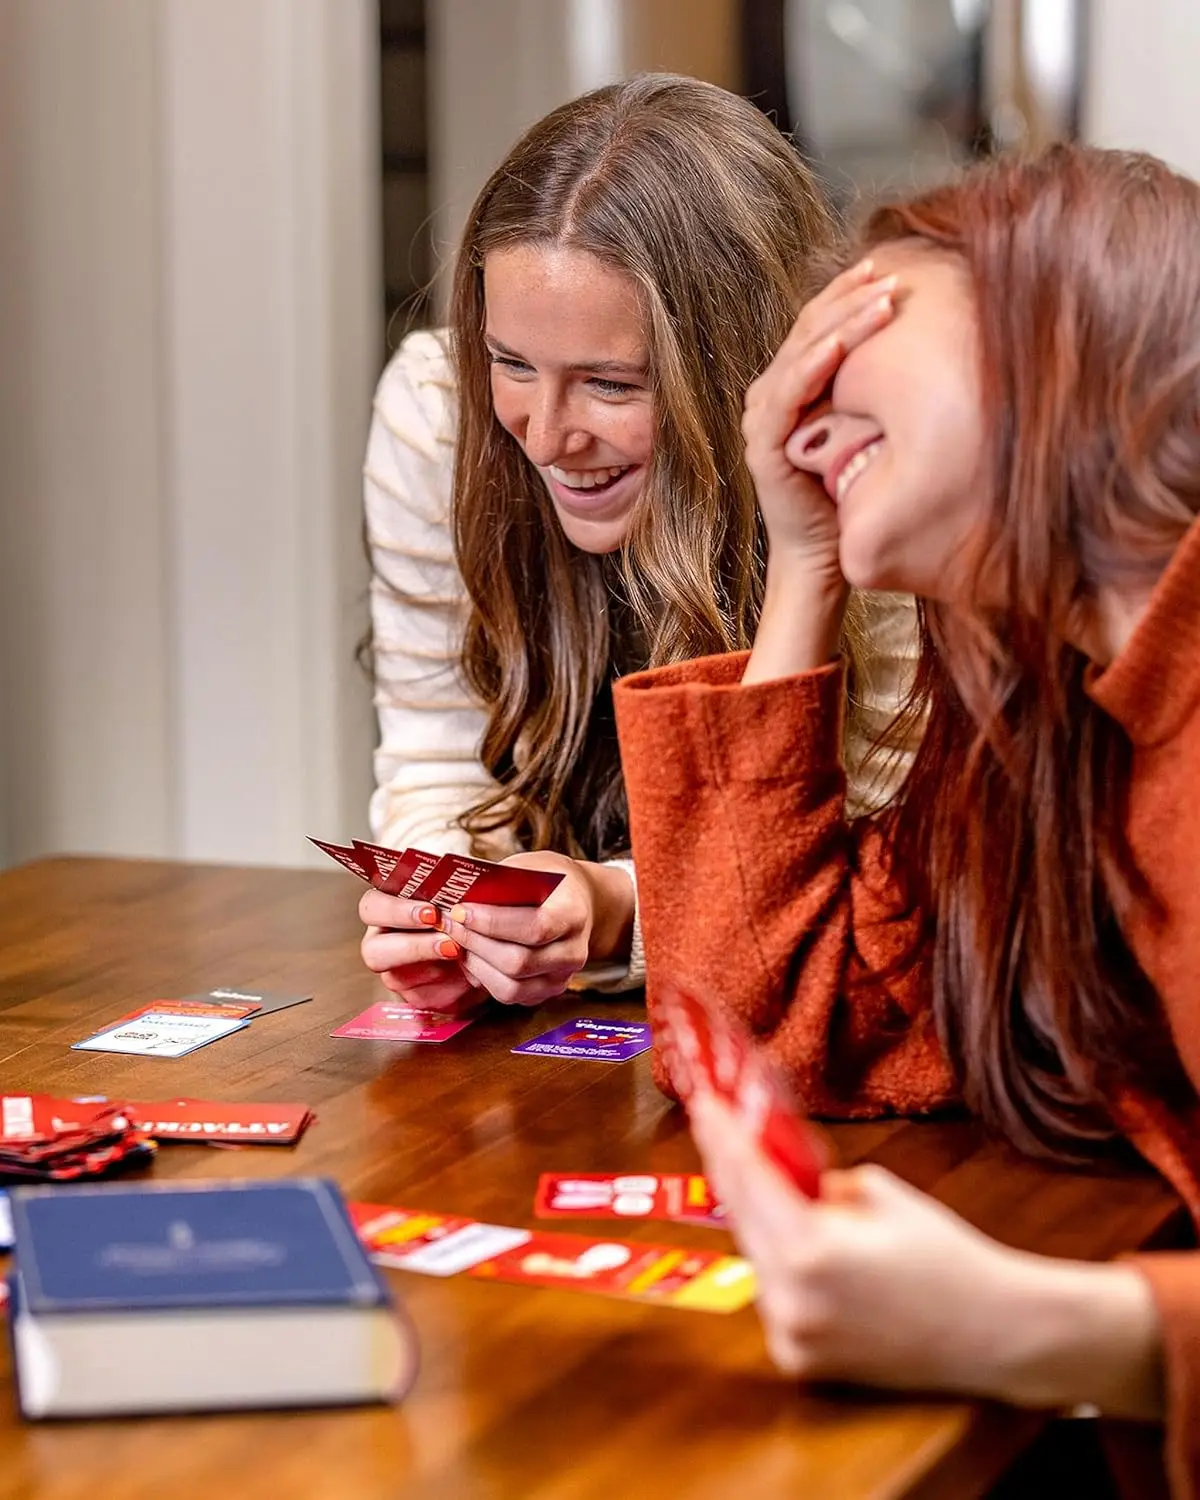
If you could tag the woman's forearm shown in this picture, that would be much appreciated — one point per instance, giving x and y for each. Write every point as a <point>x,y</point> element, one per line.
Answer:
<point>801,622</point>
<point>1090,1334</point>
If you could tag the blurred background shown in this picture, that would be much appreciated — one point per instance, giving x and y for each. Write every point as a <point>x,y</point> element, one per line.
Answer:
<point>217,217</point>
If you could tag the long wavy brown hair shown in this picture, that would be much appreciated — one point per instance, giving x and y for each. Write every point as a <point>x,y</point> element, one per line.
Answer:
<point>695,196</point>
<point>1085,266</point>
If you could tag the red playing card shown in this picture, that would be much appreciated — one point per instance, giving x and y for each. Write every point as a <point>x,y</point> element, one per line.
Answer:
<point>456,878</point>
<point>685,1197</point>
<point>702,1048</point>
<point>192,1120</point>
<point>30,1121</point>
<point>408,870</point>
<point>704,1280</point>
<point>347,857</point>
<point>379,857</point>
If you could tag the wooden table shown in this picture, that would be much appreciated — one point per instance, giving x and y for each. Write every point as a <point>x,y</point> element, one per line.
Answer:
<point>523,1393</point>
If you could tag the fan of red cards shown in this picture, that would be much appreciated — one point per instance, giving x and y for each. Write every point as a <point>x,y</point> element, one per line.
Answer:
<point>703,1049</point>
<point>58,1140</point>
<point>442,880</point>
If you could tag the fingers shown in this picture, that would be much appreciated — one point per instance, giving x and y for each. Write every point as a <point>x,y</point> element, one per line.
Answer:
<point>810,356</point>
<point>510,989</point>
<point>529,926</point>
<point>378,909</point>
<point>853,306</point>
<point>442,987</point>
<point>387,949</point>
<point>521,955</point>
<point>841,300</point>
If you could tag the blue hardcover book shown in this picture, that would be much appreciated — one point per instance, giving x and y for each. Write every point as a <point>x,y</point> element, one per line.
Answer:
<point>198,1296</point>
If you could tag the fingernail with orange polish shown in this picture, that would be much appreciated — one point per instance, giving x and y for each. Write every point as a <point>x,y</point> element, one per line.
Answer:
<point>449,949</point>
<point>429,915</point>
<point>459,914</point>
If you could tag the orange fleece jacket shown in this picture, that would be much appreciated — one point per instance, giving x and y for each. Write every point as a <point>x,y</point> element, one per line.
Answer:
<point>756,890</point>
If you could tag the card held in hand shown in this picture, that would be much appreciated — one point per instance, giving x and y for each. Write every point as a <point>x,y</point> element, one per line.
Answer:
<point>442,880</point>
<point>702,1048</point>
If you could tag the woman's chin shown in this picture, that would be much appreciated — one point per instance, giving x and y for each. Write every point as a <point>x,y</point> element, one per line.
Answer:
<point>862,566</point>
<point>597,534</point>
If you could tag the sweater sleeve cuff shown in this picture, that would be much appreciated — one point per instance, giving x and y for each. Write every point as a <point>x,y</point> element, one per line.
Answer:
<point>1175,1284</point>
<point>614,979</point>
<point>787,729</point>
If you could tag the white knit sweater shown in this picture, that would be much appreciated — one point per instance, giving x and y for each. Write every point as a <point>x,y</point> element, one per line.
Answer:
<point>427,766</point>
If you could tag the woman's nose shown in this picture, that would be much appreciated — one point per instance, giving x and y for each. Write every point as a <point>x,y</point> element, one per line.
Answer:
<point>550,435</point>
<point>811,446</point>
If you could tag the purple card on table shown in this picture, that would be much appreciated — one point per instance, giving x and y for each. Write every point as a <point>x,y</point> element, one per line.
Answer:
<point>603,1041</point>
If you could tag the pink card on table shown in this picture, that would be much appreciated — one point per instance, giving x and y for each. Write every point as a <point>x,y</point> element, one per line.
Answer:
<point>388,1021</point>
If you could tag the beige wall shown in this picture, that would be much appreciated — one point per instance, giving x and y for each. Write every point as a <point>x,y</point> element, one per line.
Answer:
<point>191,315</point>
<point>1142,78</point>
<point>495,69</point>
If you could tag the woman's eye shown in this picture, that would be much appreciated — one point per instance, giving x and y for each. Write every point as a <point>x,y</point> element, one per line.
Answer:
<point>518,367</point>
<point>611,387</point>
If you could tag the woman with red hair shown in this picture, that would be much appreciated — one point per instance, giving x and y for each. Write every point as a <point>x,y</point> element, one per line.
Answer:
<point>998,409</point>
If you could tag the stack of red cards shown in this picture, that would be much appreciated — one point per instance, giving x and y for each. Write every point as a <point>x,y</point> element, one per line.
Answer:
<point>703,1049</point>
<point>443,881</point>
<point>59,1140</point>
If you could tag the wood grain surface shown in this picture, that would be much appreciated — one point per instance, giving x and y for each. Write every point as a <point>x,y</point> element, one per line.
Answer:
<point>523,1393</point>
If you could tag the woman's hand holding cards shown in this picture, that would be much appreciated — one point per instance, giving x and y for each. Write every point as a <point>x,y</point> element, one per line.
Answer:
<point>405,946</point>
<point>878,1283</point>
<point>522,955</point>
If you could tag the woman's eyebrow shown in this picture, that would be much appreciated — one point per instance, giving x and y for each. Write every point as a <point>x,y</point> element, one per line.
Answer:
<point>613,367</point>
<point>594,367</point>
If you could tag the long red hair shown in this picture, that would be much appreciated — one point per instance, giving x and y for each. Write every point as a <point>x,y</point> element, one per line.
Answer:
<point>1085,266</point>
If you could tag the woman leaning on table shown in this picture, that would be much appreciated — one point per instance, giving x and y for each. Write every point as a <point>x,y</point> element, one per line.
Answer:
<point>998,410</point>
<point>556,494</point>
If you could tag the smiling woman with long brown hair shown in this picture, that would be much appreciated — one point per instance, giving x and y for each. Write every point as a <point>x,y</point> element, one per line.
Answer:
<point>560,496</point>
<point>998,408</point>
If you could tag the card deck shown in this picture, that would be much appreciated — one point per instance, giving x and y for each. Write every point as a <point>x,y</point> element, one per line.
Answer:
<point>43,1139</point>
<point>684,1197</point>
<point>389,1021</point>
<point>601,1041</point>
<point>702,1048</point>
<point>442,880</point>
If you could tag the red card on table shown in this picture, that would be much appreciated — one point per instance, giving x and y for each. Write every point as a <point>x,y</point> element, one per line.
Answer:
<point>702,1048</point>
<point>456,878</point>
<point>685,1197</point>
<point>703,1280</point>
<point>224,1124</point>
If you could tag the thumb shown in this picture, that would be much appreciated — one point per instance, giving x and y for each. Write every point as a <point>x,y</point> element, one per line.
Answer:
<point>869,1186</point>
